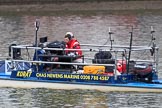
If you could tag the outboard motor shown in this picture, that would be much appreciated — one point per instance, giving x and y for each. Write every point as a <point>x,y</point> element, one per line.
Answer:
<point>16,52</point>
<point>144,72</point>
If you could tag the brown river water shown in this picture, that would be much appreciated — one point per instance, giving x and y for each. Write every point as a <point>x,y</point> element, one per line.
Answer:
<point>89,28</point>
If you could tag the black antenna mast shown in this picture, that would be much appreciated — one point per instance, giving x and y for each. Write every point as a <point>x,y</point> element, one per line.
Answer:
<point>130,48</point>
<point>153,41</point>
<point>37,23</point>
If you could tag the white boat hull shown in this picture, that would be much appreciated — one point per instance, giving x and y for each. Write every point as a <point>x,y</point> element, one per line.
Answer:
<point>70,86</point>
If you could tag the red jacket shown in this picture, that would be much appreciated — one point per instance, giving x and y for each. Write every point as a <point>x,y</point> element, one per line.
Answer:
<point>73,44</point>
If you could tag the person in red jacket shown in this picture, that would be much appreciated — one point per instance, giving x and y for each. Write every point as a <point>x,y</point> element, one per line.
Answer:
<point>72,43</point>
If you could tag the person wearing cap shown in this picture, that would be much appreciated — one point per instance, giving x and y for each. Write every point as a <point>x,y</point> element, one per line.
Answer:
<point>72,43</point>
<point>70,33</point>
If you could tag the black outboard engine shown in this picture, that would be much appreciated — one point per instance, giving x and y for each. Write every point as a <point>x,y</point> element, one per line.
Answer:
<point>16,52</point>
<point>144,72</point>
<point>104,57</point>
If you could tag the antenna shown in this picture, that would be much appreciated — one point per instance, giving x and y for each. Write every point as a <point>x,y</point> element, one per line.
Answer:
<point>111,39</point>
<point>153,41</point>
<point>130,48</point>
<point>152,34</point>
<point>37,24</point>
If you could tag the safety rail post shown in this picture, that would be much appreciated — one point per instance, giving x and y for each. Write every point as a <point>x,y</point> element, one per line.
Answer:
<point>156,61</point>
<point>115,67</point>
<point>12,62</point>
<point>154,50</point>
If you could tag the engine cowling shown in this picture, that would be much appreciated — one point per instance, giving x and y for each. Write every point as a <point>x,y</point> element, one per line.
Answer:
<point>142,69</point>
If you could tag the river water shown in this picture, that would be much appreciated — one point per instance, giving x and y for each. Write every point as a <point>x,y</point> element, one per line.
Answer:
<point>88,28</point>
